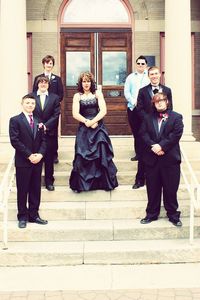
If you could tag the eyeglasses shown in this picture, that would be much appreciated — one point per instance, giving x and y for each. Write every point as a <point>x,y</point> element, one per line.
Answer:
<point>142,64</point>
<point>161,100</point>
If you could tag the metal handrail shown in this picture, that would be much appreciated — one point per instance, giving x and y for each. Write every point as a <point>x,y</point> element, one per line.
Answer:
<point>193,188</point>
<point>5,188</point>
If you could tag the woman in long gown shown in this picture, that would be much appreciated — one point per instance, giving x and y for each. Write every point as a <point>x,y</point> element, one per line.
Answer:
<point>93,167</point>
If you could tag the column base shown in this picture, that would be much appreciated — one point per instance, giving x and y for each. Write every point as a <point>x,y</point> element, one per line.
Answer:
<point>188,137</point>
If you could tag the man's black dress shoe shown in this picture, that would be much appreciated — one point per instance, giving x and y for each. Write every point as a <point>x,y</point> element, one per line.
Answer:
<point>177,223</point>
<point>50,187</point>
<point>22,224</point>
<point>137,185</point>
<point>56,160</point>
<point>147,220</point>
<point>38,220</point>
<point>135,158</point>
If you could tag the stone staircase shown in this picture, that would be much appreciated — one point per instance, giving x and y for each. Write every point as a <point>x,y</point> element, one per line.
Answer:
<point>100,227</point>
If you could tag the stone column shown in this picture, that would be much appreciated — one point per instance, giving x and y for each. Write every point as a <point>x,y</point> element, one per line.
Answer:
<point>178,75</point>
<point>13,53</point>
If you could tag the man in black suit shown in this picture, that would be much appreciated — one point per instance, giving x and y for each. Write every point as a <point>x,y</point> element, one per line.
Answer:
<point>55,86</point>
<point>144,107</point>
<point>47,110</point>
<point>161,131</point>
<point>28,139</point>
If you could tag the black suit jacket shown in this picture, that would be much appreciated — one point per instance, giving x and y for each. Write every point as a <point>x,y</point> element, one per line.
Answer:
<point>50,114</point>
<point>145,95</point>
<point>55,85</point>
<point>24,140</point>
<point>168,138</point>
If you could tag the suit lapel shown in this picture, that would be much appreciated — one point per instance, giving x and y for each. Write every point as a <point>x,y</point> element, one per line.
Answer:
<point>149,89</point>
<point>155,124</point>
<point>35,129</point>
<point>45,102</point>
<point>164,123</point>
<point>162,127</point>
<point>38,101</point>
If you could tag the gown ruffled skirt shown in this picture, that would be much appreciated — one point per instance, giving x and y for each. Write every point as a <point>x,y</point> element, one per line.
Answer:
<point>93,166</point>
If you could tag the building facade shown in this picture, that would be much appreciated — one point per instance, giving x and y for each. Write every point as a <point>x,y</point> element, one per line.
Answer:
<point>105,37</point>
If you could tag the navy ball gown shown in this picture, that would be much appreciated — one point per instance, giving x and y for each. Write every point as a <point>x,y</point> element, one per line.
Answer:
<point>93,167</point>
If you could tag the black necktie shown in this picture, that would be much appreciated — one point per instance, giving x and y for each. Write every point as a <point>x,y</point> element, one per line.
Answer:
<point>155,91</point>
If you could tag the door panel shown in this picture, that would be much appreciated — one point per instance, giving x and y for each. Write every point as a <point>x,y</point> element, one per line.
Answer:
<point>108,56</point>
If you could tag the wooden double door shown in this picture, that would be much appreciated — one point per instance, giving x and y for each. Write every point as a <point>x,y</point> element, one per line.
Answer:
<point>108,56</point>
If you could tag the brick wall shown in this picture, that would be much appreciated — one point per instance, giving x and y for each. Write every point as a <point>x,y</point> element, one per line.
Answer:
<point>147,43</point>
<point>43,44</point>
<point>42,9</point>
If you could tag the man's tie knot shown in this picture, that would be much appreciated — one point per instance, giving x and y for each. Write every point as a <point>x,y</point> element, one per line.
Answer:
<point>163,116</point>
<point>155,91</point>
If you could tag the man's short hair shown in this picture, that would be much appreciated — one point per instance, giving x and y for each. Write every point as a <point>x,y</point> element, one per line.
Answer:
<point>43,78</point>
<point>153,68</point>
<point>141,57</point>
<point>159,96</point>
<point>28,96</point>
<point>47,59</point>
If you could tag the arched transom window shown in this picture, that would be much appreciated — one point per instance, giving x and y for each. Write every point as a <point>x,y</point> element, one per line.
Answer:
<point>96,12</point>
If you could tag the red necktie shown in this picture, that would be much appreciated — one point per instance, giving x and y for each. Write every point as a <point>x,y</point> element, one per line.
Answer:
<point>31,121</point>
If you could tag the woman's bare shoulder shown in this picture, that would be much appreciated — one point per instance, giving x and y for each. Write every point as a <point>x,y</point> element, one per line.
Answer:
<point>98,94</point>
<point>76,97</point>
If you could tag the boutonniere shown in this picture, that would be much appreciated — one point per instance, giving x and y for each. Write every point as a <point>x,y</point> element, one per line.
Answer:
<point>164,117</point>
<point>40,126</point>
<point>53,77</point>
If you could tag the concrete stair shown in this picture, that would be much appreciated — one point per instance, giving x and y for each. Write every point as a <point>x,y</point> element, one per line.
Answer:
<point>100,227</point>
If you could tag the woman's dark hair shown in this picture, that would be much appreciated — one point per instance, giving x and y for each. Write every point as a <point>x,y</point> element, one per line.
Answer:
<point>89,77</point>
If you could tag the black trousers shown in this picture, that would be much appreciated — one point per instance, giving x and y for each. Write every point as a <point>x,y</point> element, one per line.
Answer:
<point>28,181</point>
<point>140,175</point>
<point>49,159</point>
<point>162,181</point>
<point>56,143</point>
<point>134,122</point>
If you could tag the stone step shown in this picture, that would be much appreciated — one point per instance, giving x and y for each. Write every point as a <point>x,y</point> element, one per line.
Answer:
<point>121,164</point>
<point>100,253</point>
<point>124,178</point>
<point>121,193</point>
<point>87,210</point>
<point>125,175</point>
<point>141,252</point>
<point>99,230</point>
<point>99,227</point>
<point>62,178</point>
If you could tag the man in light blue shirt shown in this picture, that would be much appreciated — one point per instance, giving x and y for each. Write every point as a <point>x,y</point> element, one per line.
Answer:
<point>134,82</point>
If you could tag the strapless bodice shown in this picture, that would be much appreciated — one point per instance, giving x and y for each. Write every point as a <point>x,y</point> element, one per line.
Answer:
<point>89,108</point>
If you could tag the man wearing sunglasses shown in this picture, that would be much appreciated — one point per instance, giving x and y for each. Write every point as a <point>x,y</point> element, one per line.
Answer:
<point>134,82</point>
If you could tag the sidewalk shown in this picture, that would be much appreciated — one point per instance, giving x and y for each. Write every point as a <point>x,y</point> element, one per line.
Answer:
<point>149,294</point>
<point>101,282</point>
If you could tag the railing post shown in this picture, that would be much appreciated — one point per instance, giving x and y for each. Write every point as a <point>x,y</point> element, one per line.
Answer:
<point>5,188</point>
<point>191,221</point>
<point>5,219</point>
